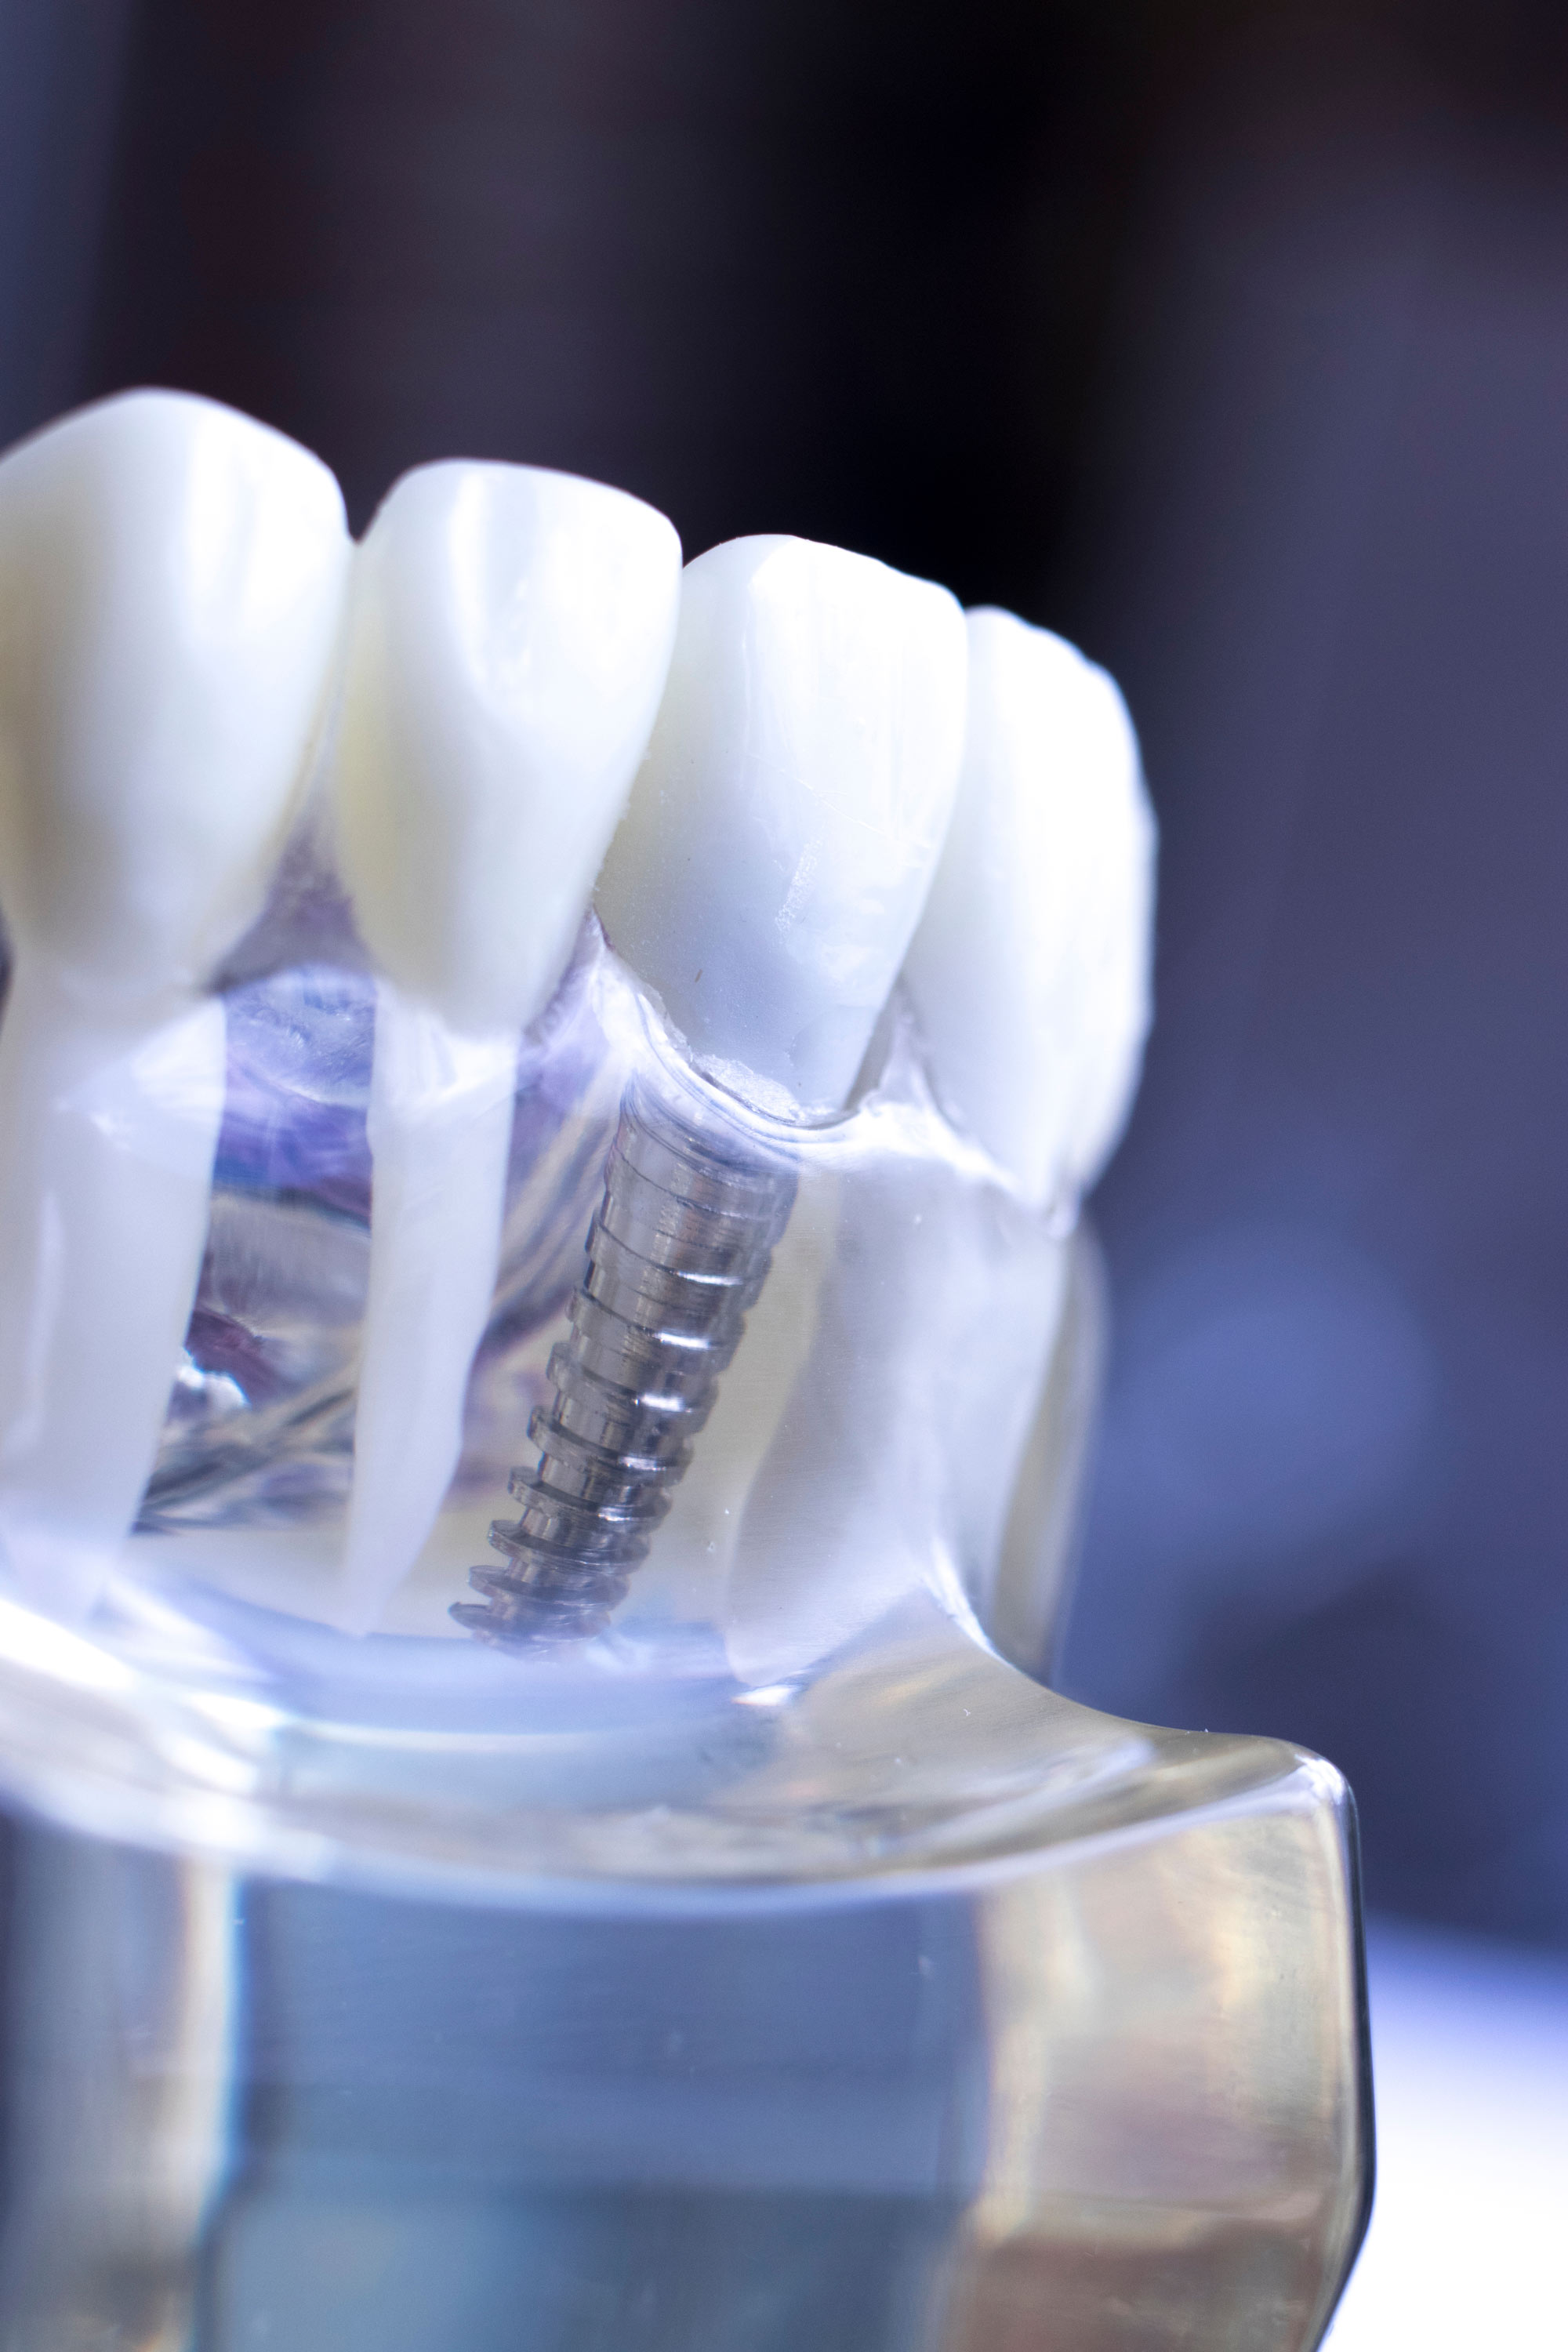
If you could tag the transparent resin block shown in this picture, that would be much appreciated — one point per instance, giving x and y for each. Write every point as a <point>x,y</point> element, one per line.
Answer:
<point>684,1921</point>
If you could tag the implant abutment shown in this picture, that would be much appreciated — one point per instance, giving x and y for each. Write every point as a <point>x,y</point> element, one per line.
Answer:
<point>676,1255</point>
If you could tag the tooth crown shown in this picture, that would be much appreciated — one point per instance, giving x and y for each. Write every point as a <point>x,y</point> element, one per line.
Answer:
<point>170,581</point>
<point>780,839</point>
<point>510,635</point>
<point>1029,971</point>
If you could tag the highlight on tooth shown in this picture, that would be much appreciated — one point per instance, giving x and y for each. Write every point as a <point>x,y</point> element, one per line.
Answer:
<point>491,1011</point>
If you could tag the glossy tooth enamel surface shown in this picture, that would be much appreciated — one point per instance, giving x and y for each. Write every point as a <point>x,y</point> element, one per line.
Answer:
<point>1029,971</point>
<point>782,835</point>
<point>171,586</point>
<point>509,635</point>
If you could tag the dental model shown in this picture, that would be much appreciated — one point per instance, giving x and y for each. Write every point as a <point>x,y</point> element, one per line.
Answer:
<point>1029,971</point>
<point>509,634</point>
<point>174,586</point>
<point>508,1971</point>
<point>765,882</point>
<point>171,584</point>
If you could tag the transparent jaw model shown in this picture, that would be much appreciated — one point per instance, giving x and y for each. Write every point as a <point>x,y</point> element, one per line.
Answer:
<point>885,1347</point>
<point>549,1783</point>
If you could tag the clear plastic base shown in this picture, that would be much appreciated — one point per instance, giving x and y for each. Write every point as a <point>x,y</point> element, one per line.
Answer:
<point>914,2011</point>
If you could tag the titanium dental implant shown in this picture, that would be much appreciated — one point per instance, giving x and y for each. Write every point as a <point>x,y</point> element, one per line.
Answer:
<point>676,1255</point>
<point>764,885</point>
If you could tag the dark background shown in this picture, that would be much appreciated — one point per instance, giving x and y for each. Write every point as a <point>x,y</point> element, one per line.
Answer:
<point>1232,340</point>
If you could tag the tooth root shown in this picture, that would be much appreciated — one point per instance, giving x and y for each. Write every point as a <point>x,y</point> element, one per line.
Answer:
<point>1029,971</point>
<point>171,579</point>
<point>782,836</point>
<point>440,1132</point>
<point>510,637</point>
<point>104,1185</point>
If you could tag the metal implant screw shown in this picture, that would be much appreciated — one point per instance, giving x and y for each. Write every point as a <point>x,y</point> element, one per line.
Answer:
<point>677,1253</point>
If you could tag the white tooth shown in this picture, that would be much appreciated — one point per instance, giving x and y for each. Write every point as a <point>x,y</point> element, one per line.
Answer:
<point>782,832</point>
<point>171,582</point>
<point>510,637</point>
<point>1029,971</point>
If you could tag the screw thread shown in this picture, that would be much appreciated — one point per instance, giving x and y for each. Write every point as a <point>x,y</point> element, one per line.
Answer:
<point>677,1253</point>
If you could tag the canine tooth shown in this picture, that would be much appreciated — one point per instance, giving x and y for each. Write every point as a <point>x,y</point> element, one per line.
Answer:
<point>1029,971</point>
<point>171,580</point>
<point>780,837</point>
<point>509,634</point>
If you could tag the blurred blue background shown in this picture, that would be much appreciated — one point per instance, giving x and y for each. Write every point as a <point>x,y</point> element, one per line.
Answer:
<point>1232,340</point>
